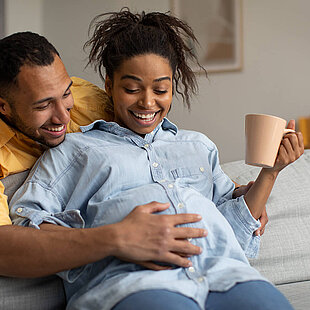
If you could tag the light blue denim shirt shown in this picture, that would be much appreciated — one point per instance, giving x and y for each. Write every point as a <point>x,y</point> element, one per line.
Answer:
<point>97,177</point>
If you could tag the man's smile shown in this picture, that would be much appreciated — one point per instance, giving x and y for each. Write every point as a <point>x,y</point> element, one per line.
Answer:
<point>55,131</point>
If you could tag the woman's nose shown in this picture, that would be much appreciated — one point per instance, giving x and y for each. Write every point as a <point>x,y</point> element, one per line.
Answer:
<point>147,100</point>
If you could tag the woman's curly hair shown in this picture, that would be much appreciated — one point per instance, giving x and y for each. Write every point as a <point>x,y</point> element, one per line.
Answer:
<point>118,36</point>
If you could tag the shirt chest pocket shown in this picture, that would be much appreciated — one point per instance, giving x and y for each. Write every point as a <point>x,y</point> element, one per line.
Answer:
<point>196,177</point>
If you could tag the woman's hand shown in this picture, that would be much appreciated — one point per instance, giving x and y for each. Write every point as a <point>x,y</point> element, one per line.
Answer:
<point>291,148</point>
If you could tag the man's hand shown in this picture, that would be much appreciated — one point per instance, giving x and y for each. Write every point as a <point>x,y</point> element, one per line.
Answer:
<point>242,190</point>
<point>143,237</point>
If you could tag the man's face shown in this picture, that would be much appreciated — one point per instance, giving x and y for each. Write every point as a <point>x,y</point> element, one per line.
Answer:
<point>41,103</point>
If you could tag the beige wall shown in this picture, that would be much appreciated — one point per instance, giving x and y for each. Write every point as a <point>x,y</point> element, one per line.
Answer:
<point>274,79</point>
<point>23,15</point>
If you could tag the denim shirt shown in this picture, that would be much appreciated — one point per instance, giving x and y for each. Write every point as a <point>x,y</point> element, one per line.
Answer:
<point>97,177</point>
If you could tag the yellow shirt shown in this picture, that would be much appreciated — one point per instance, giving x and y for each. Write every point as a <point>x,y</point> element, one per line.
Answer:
<point>19,153</point>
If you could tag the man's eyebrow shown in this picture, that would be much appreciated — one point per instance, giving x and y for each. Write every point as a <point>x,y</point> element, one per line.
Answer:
<point>50,98</point>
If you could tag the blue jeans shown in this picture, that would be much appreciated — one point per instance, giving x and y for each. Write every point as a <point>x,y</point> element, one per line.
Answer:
<point>254,295</point>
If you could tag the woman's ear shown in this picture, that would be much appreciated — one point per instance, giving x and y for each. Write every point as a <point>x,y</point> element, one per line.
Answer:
<point>108,86</point>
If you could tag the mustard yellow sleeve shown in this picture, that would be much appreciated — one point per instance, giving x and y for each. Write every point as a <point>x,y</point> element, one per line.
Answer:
<point>90,103</point>
<point>4,209</point>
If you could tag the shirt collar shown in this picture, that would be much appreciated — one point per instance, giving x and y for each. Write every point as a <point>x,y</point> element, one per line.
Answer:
<point>117,129</point>
<point>7,133</point>
<point>167,125</point>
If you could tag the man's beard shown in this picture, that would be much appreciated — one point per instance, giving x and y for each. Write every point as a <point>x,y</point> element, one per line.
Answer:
<point>19,125</point>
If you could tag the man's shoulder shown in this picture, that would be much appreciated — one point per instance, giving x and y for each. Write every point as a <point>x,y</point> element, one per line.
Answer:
<point>7,133</point>
<point>90,103</point>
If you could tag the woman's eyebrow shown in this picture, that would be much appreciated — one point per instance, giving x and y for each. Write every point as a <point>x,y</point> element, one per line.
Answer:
<point>162,79</point>
<point>132,77</point>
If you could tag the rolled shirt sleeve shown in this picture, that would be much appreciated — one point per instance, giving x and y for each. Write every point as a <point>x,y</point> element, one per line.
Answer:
<point>235,211</point>
<point>34,204</point>
<point>243,223</point>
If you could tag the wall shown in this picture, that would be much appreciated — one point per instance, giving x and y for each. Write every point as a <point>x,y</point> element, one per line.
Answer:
<point>274,79</point>
<point>21,15</point>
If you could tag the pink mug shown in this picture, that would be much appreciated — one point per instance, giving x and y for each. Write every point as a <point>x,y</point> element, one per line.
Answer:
<point>263,135</point>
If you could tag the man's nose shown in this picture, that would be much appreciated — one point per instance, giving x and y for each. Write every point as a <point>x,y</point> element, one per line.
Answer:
<point>61,114</point>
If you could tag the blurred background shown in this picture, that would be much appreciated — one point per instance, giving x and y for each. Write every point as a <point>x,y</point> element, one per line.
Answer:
<point>274,78</point>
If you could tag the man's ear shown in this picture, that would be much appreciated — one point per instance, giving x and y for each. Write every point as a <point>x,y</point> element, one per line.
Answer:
<point>108,86</point>
<point>5,108</point>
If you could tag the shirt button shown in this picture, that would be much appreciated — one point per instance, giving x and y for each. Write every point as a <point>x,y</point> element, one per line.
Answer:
<point>146,145</point>
<point>170,185</point>
<point>201,279</point>
<point>180,205</point>
<point>189,239</point>
<point>19,210</point>
<point>191,269</point>
<point>155,165</point>
<point>202,169</point>
<point>162,181</point>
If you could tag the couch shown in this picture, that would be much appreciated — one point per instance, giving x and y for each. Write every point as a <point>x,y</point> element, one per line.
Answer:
<point>284,256</point>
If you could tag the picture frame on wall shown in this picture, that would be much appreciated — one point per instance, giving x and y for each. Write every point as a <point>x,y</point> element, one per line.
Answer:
<point>217,25</point>
<point>1,19</point>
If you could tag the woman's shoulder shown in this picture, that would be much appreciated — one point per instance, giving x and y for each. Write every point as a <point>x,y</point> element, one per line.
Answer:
<point>195,136</point>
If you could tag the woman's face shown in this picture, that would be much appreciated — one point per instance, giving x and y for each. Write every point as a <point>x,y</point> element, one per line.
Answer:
<point>141,91</point>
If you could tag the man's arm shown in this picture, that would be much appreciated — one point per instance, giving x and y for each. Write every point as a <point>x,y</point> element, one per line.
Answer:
<point>141,236</point>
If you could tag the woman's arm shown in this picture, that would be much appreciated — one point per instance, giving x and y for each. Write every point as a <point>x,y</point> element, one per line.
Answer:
<point>291,148</point>
<point>241,190</point>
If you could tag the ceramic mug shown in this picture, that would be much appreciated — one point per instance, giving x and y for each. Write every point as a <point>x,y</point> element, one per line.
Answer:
<point>263,135</point>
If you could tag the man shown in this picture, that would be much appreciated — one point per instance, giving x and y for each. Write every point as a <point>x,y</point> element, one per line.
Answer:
<point>36,103</point>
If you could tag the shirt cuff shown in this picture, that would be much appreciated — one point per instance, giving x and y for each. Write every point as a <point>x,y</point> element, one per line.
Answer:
<point>249,225</point>
<point>33,218</point>
<point>243,212</point>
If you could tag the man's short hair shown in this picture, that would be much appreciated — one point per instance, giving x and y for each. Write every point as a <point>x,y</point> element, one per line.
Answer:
<point>22,48</point>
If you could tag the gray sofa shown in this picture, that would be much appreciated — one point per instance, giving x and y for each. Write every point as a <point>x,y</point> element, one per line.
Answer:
<point>284,254</point>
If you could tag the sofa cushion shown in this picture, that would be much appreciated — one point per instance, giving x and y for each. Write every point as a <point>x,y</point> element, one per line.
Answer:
<point>297,293</point>
<point>285,246</point>
<point>32,294</point>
